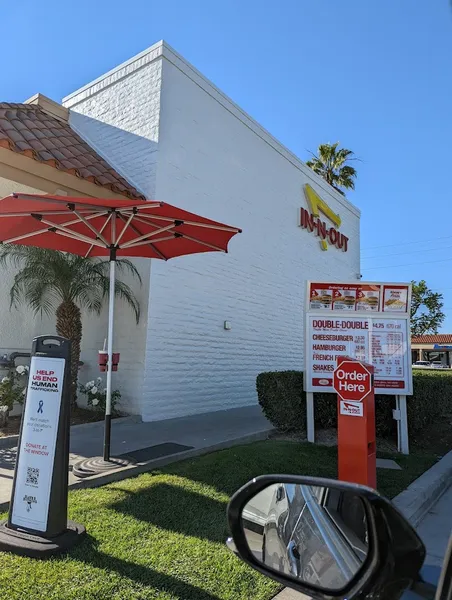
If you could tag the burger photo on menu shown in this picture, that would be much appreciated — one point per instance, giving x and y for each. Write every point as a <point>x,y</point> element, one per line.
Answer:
<point>344,299</point>
<point>372,301</point>
<point>349,300</point>
<point>368,299</point>
<point>326,298</point>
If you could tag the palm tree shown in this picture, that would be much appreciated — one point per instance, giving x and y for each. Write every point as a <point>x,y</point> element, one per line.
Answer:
<point>330,163</point>
<point>53,282</point>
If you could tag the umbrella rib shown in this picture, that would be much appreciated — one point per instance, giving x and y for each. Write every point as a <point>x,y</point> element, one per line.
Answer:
<point>147,222</point>
<point>97,233</point>
<point>46,230</point>
<point>101,230</point>
<point>180,235</point>
<point>192,239</point>
<point>25,236</point>
<point>129,220</point>
<point>144,206</point>
<point>74,235</point>
<point>192,223</point>
<point>198,241</point>
<point>49,213</point>
<point>147,235</point>
<point>70,235</point>
<point>137,231</point>
<point>144,242</point>
<point>67,200</point>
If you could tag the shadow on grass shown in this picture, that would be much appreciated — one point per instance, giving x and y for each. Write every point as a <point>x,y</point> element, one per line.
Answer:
<point>174,508</point>
<point>142,575</point>
<point>228,470</point>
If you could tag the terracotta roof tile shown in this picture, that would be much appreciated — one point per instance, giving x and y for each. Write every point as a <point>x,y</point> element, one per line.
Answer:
<point>84,160</point>
<point>27,129</point>
<point>439,338</point>
<point>23,145</point>
<point>72,163</point>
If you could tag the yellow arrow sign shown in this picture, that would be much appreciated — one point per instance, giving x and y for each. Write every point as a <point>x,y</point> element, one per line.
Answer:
<point>317,206</point>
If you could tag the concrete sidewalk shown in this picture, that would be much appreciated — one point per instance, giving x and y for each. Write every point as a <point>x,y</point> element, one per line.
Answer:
<point>203,432</point>
<point>436,529</point>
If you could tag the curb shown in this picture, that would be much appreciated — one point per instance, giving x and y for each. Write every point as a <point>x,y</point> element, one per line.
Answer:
<point>425,491</point>
<point>132,471</point>
<point>10,441</point>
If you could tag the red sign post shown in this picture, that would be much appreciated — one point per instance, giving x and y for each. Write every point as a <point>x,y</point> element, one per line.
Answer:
<point>353,382</point>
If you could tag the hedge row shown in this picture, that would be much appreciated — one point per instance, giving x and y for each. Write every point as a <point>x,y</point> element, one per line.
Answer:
<point>283,402</point>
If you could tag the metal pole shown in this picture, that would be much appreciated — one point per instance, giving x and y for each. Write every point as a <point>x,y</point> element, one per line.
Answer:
<point>310,416</point>
<point>111,313</point>
<point>402,425</point>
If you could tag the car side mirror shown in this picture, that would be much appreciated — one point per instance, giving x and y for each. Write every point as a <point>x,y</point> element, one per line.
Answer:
<point>324,538</point>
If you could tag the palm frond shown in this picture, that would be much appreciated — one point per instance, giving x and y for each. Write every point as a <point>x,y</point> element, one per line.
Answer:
<point>49,277</point>
<point>126,266</point>
<point>125,293</point>
<point>330,163</point>
<point>347,171</point>
<point>34,291</point>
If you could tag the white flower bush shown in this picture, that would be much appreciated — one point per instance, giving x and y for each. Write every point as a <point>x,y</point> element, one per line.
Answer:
<point>11,390</point>
<point>96,395</point>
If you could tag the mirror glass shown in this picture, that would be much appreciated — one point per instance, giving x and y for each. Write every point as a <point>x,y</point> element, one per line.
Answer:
<point>316,535</point>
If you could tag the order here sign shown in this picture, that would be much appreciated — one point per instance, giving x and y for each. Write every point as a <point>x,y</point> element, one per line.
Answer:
<point>352,381</point>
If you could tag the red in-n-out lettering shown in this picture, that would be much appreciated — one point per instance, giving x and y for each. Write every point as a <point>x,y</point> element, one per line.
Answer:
<point>334,237</point>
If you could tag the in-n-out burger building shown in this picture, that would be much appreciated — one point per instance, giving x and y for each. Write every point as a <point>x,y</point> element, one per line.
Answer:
<point>210,322</point>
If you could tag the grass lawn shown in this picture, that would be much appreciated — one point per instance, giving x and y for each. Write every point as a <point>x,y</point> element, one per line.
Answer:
<point>161,534</point>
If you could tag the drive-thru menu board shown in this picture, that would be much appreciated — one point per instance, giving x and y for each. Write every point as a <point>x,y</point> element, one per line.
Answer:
<point>366,321</point>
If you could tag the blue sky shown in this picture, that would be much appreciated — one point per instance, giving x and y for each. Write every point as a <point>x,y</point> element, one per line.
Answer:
<point>375,75</point>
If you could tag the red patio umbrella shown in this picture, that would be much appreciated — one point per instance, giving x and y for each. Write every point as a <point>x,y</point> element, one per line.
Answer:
<point>98,227</point>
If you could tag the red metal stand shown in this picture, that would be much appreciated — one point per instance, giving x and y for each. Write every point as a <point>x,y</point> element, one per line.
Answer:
<point>356,438</point>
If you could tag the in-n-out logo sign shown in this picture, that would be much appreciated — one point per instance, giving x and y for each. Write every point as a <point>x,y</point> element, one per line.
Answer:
<point>312,222</point>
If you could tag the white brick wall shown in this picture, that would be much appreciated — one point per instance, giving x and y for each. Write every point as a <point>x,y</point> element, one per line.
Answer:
<point>214,160</point>
<point>118,115</point>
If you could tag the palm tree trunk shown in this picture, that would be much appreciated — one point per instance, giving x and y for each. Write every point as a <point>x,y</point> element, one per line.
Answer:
<point>69,325</point>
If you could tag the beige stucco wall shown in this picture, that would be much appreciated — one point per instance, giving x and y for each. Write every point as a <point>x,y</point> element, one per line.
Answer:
<point>18,327</point>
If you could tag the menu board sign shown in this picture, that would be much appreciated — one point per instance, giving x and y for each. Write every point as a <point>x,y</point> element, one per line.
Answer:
<point>395,298</point>
<point>359,297</point>
<point>330,338</point>
<point>388,352</point>
<point>375,336</point>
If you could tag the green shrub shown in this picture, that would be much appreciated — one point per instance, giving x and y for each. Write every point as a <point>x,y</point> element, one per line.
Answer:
<point>283,402</point>
<point>282,399</point>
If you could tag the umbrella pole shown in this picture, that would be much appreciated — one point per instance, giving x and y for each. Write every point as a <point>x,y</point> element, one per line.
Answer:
<point>111,313</point>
